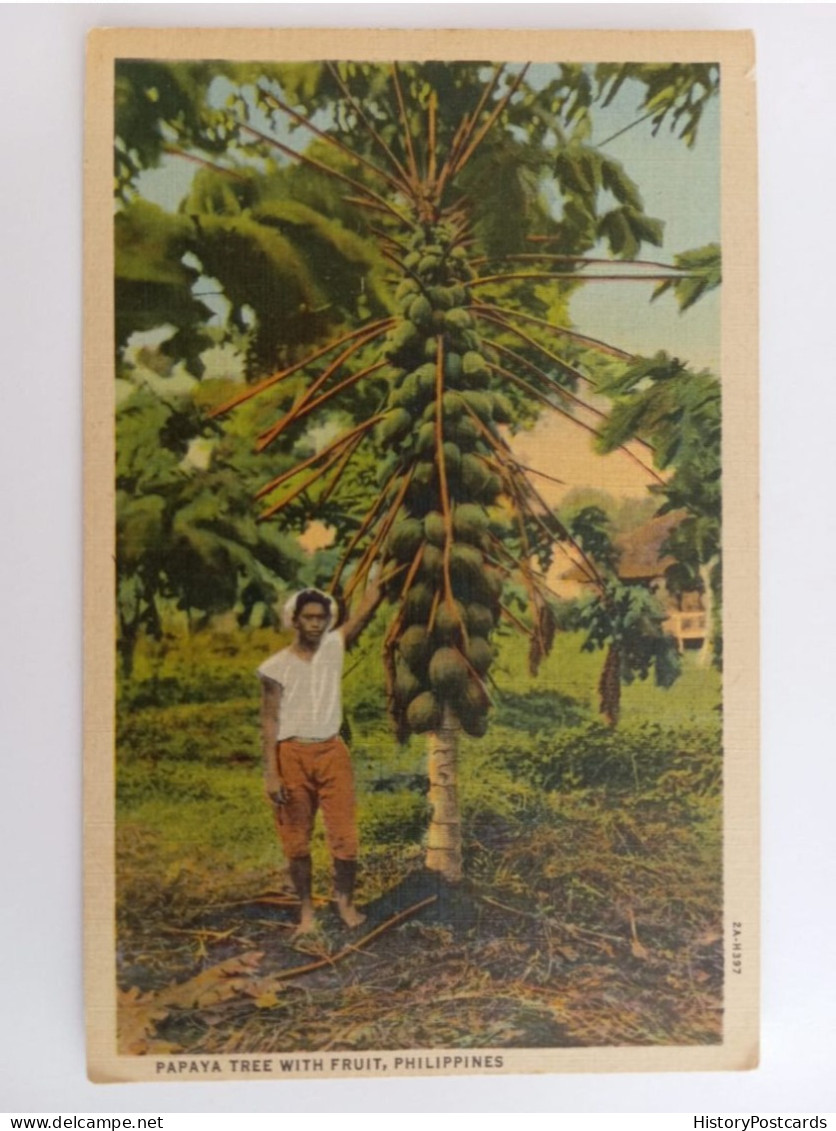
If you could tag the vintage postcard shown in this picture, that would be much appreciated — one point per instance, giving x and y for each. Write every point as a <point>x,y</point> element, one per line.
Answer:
<point>421,572</point>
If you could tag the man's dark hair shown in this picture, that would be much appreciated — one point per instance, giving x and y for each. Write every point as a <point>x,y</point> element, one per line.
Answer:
<point>311,597</point>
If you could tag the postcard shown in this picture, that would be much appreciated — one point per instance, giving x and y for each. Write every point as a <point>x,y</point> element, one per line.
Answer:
<point>421,553</point>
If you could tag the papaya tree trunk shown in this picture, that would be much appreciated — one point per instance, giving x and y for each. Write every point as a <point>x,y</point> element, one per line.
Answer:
<point>609,686</point>
<point>444,841</point>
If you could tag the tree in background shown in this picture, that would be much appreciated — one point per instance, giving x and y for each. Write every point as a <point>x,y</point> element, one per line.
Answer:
<point>678,412</point>
<point>625,619</point>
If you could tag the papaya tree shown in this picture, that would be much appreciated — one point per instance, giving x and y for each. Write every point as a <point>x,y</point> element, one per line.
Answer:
<point>451,168</point>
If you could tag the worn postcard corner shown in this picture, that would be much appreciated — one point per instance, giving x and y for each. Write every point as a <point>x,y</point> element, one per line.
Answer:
<point>421,553</point>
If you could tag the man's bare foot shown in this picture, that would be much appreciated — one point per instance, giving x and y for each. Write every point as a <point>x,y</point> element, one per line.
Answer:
<point>349,914</point>
<point>307,923</point>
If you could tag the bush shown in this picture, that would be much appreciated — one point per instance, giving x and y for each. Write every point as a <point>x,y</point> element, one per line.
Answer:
<point>208,732</point>
<point>633,758</point>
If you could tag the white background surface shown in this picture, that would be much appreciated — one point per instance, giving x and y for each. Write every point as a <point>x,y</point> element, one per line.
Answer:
<point>41,1025</point>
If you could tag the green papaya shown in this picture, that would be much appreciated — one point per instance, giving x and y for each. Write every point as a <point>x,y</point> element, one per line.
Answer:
<point>431,347</point>
<point>452,405</point>
<point>474,724</point>
<point>395,427</point>
<point>449,621</point>
<point>474,365</point>
<point>480,403</point>
<point>417,604</point>
<point>469,523</point>
<point>420,310</point>
<point>503,413</point>
<point>428,265</point>
<point>458,318</point>
<point>466,563</point>
<point>423,713</point>
<point>406,685</point>
<point>402,336</point>
<point>464,431</point>
<point>480,620</point>
<point>424,474</point>
<point>434,528</point>
<point>414,647</point>
<point>405,537</point>
<point>440,297</point>
<point>479,654</point>
<point>425,439</point>
<point>448,672</point>
<point>475,475</point>
<point>432,563</point>
<point>452,366</point>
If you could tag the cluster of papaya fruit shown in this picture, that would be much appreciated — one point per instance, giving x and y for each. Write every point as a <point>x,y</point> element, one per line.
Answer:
<point>443,652</point>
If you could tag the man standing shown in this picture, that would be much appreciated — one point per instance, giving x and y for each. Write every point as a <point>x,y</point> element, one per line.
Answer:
<point>307,765</point>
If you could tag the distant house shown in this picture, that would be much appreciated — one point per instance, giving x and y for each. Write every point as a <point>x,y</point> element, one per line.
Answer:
<point>642,562</point>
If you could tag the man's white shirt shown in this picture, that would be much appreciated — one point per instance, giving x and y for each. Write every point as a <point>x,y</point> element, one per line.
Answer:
<point>311,702</point>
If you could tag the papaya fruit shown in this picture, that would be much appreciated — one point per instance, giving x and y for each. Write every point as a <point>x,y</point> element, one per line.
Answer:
<point>440,297</point>
<point>474,365</point>
<point>480,619</point>
<point>395,427</point>
<point>406,684</point>
<point>405,288</point>
<point>452,366</point>
<point>448,672</point>
<point>432,563</point>
<point>479,654</point>
<point>434,528</point>
<point>502,411</point>
<point>469,523</point>
<point>414,647</point>
<point>425,438</point>
<point>449,622</point>
<point>475,475</point>
<point>428,265</point>
<point>480,403</point>
<point>404,538</point>
<point>417,604</point>
<point>458,318</point>
<point>420,310</point>
<point>466,563</point>
<point>423,713</point>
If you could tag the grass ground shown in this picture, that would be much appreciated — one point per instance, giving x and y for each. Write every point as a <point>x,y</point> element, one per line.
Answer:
<point>591,913</point>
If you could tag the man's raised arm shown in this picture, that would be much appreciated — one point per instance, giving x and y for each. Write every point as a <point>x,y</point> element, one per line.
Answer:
<point>361,616</point>
<point>271,695</point>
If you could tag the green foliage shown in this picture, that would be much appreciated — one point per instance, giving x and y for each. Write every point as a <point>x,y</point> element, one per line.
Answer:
<point>704,267</point>
<point>673,93</point>
<point>679,412</point>
<point>630,617</point>
<point>644,758</point>
<point>184,536</point>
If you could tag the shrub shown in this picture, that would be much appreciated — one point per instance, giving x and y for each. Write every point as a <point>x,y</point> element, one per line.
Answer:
<point>633,758</point>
